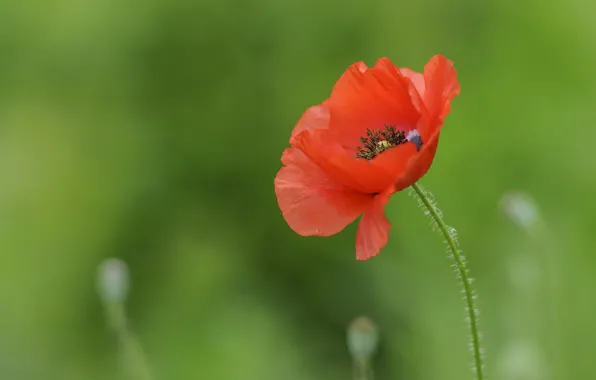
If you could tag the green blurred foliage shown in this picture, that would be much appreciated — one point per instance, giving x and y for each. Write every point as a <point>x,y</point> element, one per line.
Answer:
<point>152,131</point>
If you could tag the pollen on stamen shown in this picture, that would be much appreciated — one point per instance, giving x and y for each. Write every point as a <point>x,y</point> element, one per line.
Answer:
<point>378,141</point>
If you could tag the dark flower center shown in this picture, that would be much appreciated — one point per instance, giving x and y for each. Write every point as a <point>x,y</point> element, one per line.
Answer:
<point>378,141</point>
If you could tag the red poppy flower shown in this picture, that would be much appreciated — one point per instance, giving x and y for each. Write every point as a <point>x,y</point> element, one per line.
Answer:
<point>376,134</point>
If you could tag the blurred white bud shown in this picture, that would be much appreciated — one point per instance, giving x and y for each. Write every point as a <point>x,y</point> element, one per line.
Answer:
<point>112,280</point>
<point>521,208</point>
<point>362,338</point>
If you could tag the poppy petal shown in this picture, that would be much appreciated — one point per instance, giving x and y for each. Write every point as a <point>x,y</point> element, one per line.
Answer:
<point>417,80</point>
<point>370,100</point>
<point>311,202</point>
<point>419,164</point>
<point>351,75</point>
<point>442,86</point>
<point>396,159</point>
<point>315,117</point>
<point>373,229</point>
<point>395,89</point>
<point>357,174</point>
<point>410,86</point>
<point>417,89</point>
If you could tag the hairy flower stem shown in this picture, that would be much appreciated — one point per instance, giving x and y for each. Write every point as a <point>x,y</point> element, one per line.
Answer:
<point>462,272</point>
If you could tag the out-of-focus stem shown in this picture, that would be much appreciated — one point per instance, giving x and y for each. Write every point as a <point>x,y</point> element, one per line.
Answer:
<point>113,286</point>
<point>131,353</point>
<point>363,370</point>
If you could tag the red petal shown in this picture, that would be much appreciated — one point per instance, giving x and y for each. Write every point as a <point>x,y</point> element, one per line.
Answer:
<point>395,160</point>
<point>373,230</point>
<point>352,75</point>
<point>441,87</point>
<point>416,78</point>
<point>315,117</point>
<point>364,176</point>
<point>419,164</point>
<point>310,201</point>
<point>372,99</point>
<point>399,89</point>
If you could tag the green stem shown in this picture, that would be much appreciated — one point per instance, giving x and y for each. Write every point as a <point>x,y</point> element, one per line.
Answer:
<point>542,240</point>
<point>462,272</point>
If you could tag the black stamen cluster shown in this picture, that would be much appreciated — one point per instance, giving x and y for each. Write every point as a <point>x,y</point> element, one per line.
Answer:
<point>378,141</point>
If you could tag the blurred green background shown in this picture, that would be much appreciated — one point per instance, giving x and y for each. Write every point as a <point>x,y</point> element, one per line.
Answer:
<point>152,130</point>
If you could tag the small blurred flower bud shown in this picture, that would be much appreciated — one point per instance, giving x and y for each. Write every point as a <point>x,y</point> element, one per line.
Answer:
<point>362,338</point>
<point>520,208</point>
<point>112,280</point>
